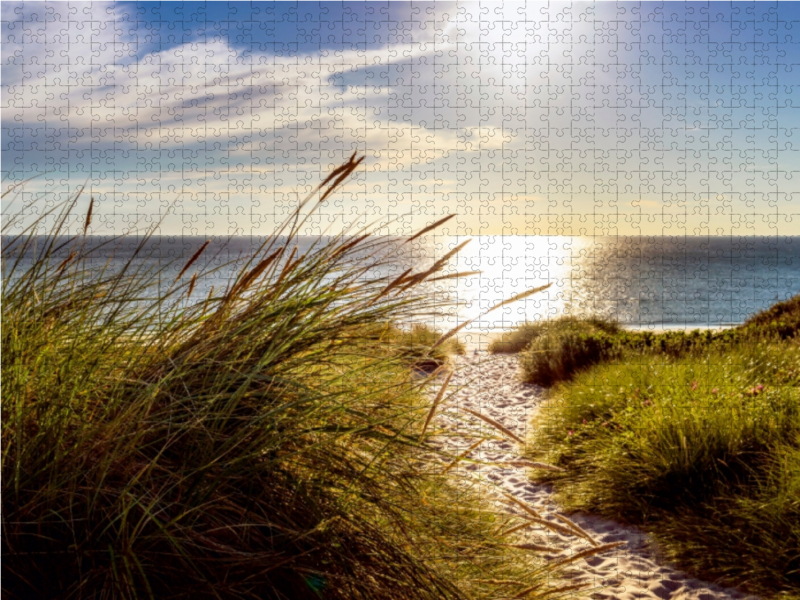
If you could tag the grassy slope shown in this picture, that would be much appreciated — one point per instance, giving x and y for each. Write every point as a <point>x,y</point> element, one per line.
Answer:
<point>262,444</point>
<point>557,350</point>
<point>699,443</point>
<point>519,338</point>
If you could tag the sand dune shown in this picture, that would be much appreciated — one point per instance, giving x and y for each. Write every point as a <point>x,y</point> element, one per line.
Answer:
<point>488,385</point>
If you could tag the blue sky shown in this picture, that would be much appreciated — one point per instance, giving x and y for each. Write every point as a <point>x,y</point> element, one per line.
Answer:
<point>522,118</point>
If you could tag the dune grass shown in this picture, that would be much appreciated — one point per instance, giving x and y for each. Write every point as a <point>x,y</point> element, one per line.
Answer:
<point>416,345</point>
<point>558,357</point>
<point>256,444</point>
<point>556,350</point>
<point>519,338</point>
<point>700,448</point>
<point>781,319</point>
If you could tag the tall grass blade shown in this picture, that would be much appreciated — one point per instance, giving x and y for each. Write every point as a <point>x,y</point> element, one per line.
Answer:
<point>435,405</point>
<point>495,424</point>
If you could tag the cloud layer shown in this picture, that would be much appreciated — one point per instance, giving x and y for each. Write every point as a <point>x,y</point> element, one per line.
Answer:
<point>560,119</point>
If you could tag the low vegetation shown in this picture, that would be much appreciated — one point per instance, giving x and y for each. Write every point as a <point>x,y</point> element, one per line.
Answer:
<point>694,437</point>
<point>556,350</point>
<point>417,345</point>
<point>781,319</point>
<point>256,444</point>
<point>519,338</point>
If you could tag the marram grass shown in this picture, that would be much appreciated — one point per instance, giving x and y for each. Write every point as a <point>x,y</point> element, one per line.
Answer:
<point>557,350</point>
<point>518,339</point>
<point>701,449</point>
<point>258,444</point>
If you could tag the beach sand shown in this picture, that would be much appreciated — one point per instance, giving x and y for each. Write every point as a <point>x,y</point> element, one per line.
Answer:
<point>488,384</point>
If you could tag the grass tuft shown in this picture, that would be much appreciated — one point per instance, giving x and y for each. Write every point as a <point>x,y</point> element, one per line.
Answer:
<point>261,443</point>
<point>557,350</point>
<point>701,449</point>
<point>519,338</point>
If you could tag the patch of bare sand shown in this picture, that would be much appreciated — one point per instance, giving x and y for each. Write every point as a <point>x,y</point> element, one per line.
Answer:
<point>489,385</point>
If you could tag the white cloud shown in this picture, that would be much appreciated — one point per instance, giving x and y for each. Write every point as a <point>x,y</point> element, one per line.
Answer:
<point>488,100</point>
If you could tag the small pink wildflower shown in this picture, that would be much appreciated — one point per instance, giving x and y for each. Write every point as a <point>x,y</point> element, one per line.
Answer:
<point>570,432</point>
<point>694,385</point>
<point>714,391</point>
<point>759,388</point>
<point>584,421</point>
<point>647,403</point>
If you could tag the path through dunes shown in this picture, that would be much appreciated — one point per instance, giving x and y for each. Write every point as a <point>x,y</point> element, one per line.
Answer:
<point>488,385</point>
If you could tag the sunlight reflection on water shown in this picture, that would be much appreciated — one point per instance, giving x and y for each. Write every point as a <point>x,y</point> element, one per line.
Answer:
<point>655,283</point>
<point>648,282</point>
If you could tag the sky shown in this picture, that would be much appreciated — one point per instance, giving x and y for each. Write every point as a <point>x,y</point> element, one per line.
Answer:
<point>577,118</point>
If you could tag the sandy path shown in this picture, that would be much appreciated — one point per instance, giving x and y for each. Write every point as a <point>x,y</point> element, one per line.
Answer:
<point>634,570</point>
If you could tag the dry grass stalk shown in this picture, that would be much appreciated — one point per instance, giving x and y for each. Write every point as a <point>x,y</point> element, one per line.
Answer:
<point>578,530</point>
<point>531,465</point>
<point>520,296</point>
<point>88,220</point>
<point>345,247</point>
<point>527,508</point>
<point>437,266</point>
<point>192,283</point>
<point>286,267</point>
<point>552,526</point>
<point>397,281</point>
<point>496,425</point>
<point>462,456</point>
<point>338,170</point>
<point>519,527</point>
<point>588,552</point>
<point>434,406</point>
<point>66,261</point>
<point>561,590</point>
<point>499,581</point>
<point>456,275</point>
<point>429,228</point>
<point>193,259</point>
<point>347,170</point>
<point>536,548</point>
<point>528,591</point>
<point>257,271</point>
<point>451,333</point>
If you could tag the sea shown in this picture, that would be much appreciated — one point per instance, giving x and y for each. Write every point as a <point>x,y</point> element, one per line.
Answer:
<point>654,283</point>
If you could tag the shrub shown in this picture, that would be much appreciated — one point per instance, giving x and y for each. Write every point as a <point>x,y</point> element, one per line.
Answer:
<point>516,340</point>
<point>559,356</point>
<point>519,338</point>
<point>781,319</point>
<point>556,353</point>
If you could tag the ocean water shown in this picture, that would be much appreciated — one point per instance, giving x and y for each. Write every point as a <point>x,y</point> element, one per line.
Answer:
<point>643,282</point>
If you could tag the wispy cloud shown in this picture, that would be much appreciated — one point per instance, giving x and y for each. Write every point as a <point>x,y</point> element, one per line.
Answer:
<point>564,108</point>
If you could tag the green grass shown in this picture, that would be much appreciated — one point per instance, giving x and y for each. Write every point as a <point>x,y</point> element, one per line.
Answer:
<point>701,448</point>
<point>557,357</point>
<point>556,350</point>
<point>417,346</point>
<point>519,338</point>
<point>262,443</point>
<point>781,319</point>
